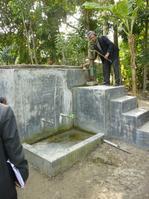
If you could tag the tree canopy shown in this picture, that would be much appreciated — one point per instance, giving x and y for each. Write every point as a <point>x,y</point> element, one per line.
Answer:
<point>30,32</point>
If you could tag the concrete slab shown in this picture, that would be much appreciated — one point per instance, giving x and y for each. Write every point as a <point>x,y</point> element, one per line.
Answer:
<point>60,153</point>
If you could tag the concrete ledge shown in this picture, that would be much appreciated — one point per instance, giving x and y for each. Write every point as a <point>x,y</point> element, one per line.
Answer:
<point>23,66</point>
<point>51,165</point>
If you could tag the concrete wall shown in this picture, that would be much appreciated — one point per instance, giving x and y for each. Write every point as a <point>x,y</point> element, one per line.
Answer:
<point>37,94</point>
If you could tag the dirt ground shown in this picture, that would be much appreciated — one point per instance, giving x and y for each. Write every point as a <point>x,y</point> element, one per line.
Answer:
<point>143,103</point>
<point>107,173</point>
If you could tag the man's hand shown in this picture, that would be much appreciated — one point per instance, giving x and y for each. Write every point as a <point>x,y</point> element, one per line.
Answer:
<point>85,66</point>
<point>107,55</point>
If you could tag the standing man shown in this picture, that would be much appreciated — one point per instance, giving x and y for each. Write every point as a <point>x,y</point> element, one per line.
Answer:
<point>10,149</point>
<point>108,53</point>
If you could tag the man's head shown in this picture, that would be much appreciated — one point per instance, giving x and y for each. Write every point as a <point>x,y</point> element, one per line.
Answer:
<point>3,100</point>
<point>91,35</point>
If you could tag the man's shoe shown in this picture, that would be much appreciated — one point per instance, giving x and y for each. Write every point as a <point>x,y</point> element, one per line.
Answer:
<point>118,84</point>
<point>106,84</point>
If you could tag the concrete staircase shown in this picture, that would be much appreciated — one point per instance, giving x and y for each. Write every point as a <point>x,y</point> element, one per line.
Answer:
<point>129,122</point>
<point>119,106</point>
<point>110,110</point>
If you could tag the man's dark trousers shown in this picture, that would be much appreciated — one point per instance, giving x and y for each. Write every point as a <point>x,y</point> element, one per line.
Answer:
<point>107,70</point>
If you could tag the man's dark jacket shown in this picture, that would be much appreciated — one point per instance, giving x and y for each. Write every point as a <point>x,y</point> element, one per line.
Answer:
<point>106,46</point>
<point>10,148</point>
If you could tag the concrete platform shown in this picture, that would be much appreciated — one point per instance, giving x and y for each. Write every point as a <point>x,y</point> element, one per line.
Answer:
<point>57,153</point>
<point>91,106</point>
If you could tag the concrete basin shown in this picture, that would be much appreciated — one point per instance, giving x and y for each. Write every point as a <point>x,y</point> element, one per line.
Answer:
<point>59,152</point>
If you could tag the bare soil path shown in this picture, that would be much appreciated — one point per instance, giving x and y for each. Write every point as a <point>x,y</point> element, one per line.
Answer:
<point>107,173</point>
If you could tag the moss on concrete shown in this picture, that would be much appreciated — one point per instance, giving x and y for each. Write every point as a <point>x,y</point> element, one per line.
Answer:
<point>38,136</point>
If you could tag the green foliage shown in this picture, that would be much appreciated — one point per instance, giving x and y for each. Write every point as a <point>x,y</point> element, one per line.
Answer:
<point>71,50</point>
<point>35,24</point>
<point>125,64</point>
<point>125,14</point>
<point>32,26</point>
<point>6,55</point>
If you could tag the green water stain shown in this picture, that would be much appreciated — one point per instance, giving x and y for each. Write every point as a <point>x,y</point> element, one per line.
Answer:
<point>45,133</point>
<point>72,135</point>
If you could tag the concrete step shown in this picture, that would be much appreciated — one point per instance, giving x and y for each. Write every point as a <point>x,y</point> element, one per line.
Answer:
<point>138,115</point>
<point>132,120</point>
<point>125,103</point>
<point>142,136</point>
<point>117,107</point>
<point>144,128</point>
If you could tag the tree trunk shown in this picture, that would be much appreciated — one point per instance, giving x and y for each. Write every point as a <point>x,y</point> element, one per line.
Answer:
<point>86,19</point>
<point>145,74</point>
<point>63,57</point>
<point>115,35</point>
<point>105,24</point>
<point>27,40</point>
<point>145,52</point>
<point>34,46</point>
<point>131,42</point>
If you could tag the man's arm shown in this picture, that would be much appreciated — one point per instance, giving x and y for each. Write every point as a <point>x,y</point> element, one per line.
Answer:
<point>91,51</point>
<point>12,144</point>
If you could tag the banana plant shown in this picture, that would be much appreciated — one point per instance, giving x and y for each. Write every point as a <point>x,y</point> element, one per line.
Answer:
<point>124,13</point>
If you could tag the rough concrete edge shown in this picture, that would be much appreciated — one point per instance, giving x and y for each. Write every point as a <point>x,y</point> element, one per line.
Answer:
<point>76,155</point>
<point>123,98</point>
<point>66,160</point>
<point>46,66</point>
<point>82,144</point>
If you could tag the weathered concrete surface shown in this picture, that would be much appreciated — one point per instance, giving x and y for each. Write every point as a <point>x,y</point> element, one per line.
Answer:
<point>142,136</point>
<point>92,106</point>
<point>63,157</point>
<point>117,107</point>
<point>132,120</point>
<point>40,94</point>
<point>126,121</point>
<point>108,109</point>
